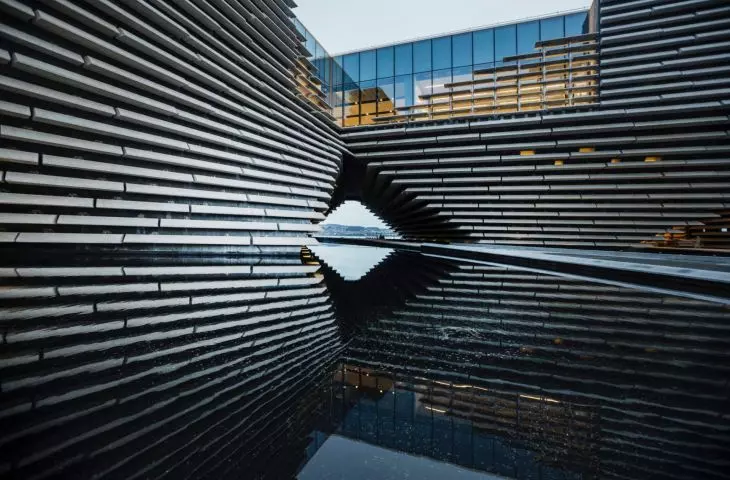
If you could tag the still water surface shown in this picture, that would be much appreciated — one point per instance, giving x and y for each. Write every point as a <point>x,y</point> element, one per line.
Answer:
<point>353,363</point>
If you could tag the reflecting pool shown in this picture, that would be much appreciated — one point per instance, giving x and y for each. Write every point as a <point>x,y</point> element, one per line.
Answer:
<point>353,363</point>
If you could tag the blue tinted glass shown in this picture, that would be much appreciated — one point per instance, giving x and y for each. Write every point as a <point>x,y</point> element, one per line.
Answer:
<point>484,46</point>
<point>527,35</point>
<point>461,46</point>
<point>404,59</point>
<point>386,94</point>
<point>385,62</point>
<point>404,91</point>
<point>368,97</point>
<point>441,81</point>
<point>441,53</point>
<point>552,28</point>
<point>505,42</point>
<point>422,88</point>
<point>367,65</point>
<point>311,45</point>
<point>574,24</point>
<point>337,70</point>
<point>300,28</point>
<point>422,56</point>
<point>351,64</point>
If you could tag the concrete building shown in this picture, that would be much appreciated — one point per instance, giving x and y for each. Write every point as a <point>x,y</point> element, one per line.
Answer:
<point>161,124</point>
<point>222,125</point>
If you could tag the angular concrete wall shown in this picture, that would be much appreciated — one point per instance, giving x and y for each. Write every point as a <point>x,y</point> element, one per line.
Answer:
<point>650,164</point>
<point>158,124</point>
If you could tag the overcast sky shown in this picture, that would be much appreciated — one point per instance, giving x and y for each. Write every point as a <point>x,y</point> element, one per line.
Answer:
<point>354,213</point>
<point>345,25</point>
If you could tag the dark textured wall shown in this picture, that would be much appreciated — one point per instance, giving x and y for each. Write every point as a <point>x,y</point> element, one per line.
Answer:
<point>648,164</point>
<point>151,124</point>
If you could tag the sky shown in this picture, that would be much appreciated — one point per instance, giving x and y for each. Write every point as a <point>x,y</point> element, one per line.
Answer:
<point>354,213</point>
<point>346,25</point>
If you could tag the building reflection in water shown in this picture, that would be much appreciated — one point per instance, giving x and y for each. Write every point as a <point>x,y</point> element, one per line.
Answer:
<point>535,376</point>
<point>208,368</point>
<point>176,368</point>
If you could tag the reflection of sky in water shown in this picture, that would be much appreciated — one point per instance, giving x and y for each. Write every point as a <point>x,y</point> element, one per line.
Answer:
<point>382,365</point>
<point>351,262</point>
<point>340,458</point>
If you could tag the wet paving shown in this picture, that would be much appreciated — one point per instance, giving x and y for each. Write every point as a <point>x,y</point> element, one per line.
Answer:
<point>353,363</point>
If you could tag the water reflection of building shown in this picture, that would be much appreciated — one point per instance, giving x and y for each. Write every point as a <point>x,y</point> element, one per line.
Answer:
<point>599,380</point>
<point>169,367</point>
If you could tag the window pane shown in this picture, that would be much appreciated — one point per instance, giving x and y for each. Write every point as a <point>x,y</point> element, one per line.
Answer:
<point>527,35</point>
<point>574,24</point>
<point>352,67</point>
<point>484,46</point>
<point>421,87</point>
<point>441,80</point>
<point>441,53</point>
<point>311,45</point>
<point>505,42</point>
<point>337,70</point>
<point>463,85</point>
<point>404,59</point>
<point>404,91</point>
<point>385,62</point>
<point>461,45</point>
<point>367,65</point>
<point>368,99</point>
<point>351,101</point>
<point>422,56</point>
<point>386,95</point>
<point>552,28</point>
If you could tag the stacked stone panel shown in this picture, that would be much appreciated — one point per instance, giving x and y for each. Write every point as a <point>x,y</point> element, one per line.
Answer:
<point>648,165</point>
<point>159,124</point>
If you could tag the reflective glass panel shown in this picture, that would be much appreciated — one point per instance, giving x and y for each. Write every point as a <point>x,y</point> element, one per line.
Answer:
<point>404,91</point>
<point>404,59</point>
<point>484,46</point>
<point>462,87</point>
<point>421,87</point>
<point>311,45</point>
<point>441,81</point>
<point>552,28</point>
<point>367,65</point>
<point>441,53</point>
<point>574,24</point>
<point>351,64</point>
<point>386,95</point>
<point>422,56</point>
<point>461,46</point>
<point>368,99</point>
<point>385,62</point>
<point>351,100</point>
<point>527,35</point>
<point>505,42</point>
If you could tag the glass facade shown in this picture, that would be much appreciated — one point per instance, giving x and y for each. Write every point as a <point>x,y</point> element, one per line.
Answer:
<point>460,74</point>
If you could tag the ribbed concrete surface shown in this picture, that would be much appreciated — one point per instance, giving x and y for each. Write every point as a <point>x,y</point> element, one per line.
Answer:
<point>649,164</point>
<point>158,123</point>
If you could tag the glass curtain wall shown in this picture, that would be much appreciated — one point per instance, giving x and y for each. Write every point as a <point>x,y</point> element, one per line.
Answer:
<point>436,77</point>
<point>321,80</point>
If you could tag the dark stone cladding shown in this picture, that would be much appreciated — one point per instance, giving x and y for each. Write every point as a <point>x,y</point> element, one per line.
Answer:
<point>159,125</point>
<point>649,164</point>
<point>174,367</point>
